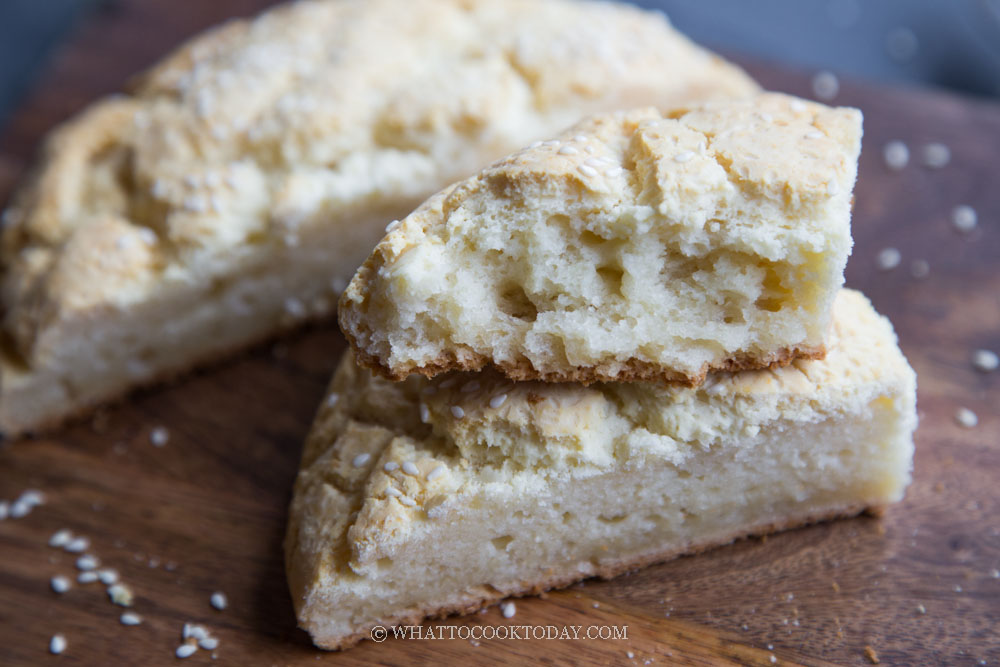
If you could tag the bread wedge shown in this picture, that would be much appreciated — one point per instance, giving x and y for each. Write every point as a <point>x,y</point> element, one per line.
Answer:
<point>236,189</point>
<point>639,246</point>
<point>422,498</point>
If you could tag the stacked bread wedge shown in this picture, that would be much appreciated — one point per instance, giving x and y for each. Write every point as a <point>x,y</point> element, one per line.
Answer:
<point>619,345</point>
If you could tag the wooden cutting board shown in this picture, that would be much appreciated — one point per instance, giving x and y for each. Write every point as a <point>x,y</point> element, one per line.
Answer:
<point>206,512</point>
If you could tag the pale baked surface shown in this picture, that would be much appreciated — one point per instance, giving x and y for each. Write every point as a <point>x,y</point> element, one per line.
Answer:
<point>636,246</point>
<point>244,179</point>
<point>486,497</point>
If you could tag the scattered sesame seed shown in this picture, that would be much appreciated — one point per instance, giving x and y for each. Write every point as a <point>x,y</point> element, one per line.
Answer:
<point>587,171</point>
<point>551,142</point>
<point>921,609</point>
<point>159,436</point>
<point>185,650</point>
<point>391,226</point>
<point>120,594</point>
<point>446,384</point>
<point>797,106</point>
<point>32,498</point>
<point>390,466</point>
<point>966,417</point>
<point>508,609</point>
<point>107,576</point>
<point>457,412</point>
<point>469,387</point>
<point>896,155</point>
<point>936,155</point>
<point>568,150</point>
<point>888,259</point>
<point>361,459</point>
<point>87,562</point>
<point>392,492</point>
<point>684,156</point>
<point>919,268</point>
<point>497,401</point>
<point>901,44</point>
<point>57,644</point>
<point>437,472</point>
<point>59,584</point>
<point>19,509</point>
<point>130,618</point>
<point>614,171</point>
<point>87,577</point>
<point>147,236</point>
<point>579,137</point>
<point>766,117</point>
<point>410,468</point>
<point>192,630</point>
<point>425,414</point>
<point>964,218</point>
<point>773,659</point>
<point>294,307</point>
<point>814,134</point>
<point>594,162</point>
<point>219,600</point>
<point>77,545</point>
<point>630,654</point>
<point>825,85</point>
<point>332,399</point>
<point>995,574</point>
<point>409,502</point>
<point>535,144</point>
<point>209,643</point>
<point>985,360</point>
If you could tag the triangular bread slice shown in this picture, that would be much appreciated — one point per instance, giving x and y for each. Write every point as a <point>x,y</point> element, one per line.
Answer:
<point>646,245</point>
<point>236,190</point>
<point>425,497</point>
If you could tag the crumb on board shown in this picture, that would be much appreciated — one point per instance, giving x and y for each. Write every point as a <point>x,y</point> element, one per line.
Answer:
<point>871,655</point>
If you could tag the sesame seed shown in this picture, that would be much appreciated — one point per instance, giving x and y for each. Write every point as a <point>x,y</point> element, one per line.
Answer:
<point>57,644</point>
<point>814,134</point>
<point>614,171</point>
<point>579,137</point>
<point>338,284</point>
<point>896,155</point>
<point>936,155</point>
<point>901,44</point>
<point>88,577</point>
<point>535,144</point>
<point>291,240</point>
<point>568,150</point>
<point>32,498</point>
<point>361,459</point>
<point>446,384</point>
<point>120,594</point>
<point>684,156</point>
<point>551,142</point>
<point>797,106</point>
<point>825,85</point>
<point>391,226</point>
<point>185,650</point>
<point>773,659</point>
<point>410,468</point>
<point>107,576</point>
<point>497,401</point>
<point>192,630</point>
<point>87,562</point>
<point>130,618</point>
<point>966,417</point>
<point>425,414</point>
<point>437,472</point>
<point>766,117</point>
<point>390,466</point>
<point>219,600</point>
<point>59,584</point>
<point>919,268</point>
<point>209,643</point>
<point>888,259</point>
<point>77,545</point>
<point>922,609</point>
<point>508,609</point>
<point>159,436</point>
<point>332,399</point>
<point>469,387</point>
<point>457,412</point>
<point>406,500</point>
<point>831,188</point>
<point>985,360</point>
<point>19,509</point>
<point>594,162</point>
<point>587,171</point>
<point>392,492</point>
<point>964,218</point>
<point>294,307</point>
<point>147,236</point>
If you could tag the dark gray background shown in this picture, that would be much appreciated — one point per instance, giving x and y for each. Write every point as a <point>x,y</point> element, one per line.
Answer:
<point>952,44</point>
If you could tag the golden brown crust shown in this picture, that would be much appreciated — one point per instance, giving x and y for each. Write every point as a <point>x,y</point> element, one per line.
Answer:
<point>607,571</point>
<point>636,370</point>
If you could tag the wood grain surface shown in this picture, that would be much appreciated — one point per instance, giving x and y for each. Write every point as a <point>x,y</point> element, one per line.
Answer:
<point>206,512</point>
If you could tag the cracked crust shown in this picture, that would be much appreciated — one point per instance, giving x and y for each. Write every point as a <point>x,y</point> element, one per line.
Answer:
<point>609,571</point>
